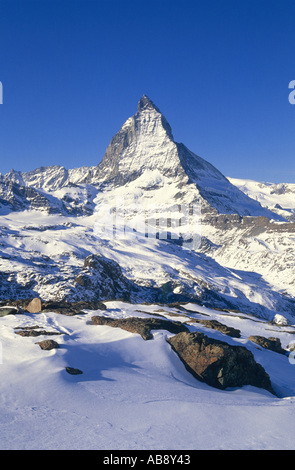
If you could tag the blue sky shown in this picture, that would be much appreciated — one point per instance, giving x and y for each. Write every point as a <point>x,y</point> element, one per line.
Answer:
<point>73,72</point>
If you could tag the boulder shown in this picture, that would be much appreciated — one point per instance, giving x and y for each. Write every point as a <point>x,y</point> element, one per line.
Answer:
<point>8,311</point>
<point>217,363</point>
<point>48,344</point>
<point>34,306</point>
<point>274,344</point>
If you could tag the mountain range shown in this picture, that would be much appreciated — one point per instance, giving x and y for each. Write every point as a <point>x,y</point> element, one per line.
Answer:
<point>54,246</point>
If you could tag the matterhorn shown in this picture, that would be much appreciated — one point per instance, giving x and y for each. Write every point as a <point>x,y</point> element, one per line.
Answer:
<point>55,244</point>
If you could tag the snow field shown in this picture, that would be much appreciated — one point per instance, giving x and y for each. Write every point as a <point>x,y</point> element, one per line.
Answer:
<point>134,394</point>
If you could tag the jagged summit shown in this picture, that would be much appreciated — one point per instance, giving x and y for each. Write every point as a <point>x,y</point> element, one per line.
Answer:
<point>144,142</point>
<point>143,148</point>
<point>145,145</point>
<point>146,103</point>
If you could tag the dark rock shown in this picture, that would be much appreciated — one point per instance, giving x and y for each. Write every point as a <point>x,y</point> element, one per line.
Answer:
<point>142,326</point>
<point>72,308</point>
<point>101,279</point>
<point>274,344</point>
<point>28,331</point>
<point>48,344</point>
<point>8,311</point>
<point>217,363</point>
<point>216,325</point>
<point>73,371</point>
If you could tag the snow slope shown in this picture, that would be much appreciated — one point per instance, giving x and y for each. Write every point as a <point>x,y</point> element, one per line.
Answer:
<point>279,198</point>
<point>135,394</point>
<point>41,255</point>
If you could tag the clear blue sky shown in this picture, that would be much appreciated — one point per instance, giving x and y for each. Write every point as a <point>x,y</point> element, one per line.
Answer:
<point>73,72</point>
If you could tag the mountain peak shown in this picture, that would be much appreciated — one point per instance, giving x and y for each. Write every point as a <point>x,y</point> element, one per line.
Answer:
<point>146,103</point>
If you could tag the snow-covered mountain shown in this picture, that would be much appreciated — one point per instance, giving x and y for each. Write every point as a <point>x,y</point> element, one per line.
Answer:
<point>279,198</point>
<point>163,239</point>
<point>53,220</point>
<point>144,146</point>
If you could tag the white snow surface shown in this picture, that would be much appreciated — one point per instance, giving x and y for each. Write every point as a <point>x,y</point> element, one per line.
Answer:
<point>278,197</point>
<point>135,394</point>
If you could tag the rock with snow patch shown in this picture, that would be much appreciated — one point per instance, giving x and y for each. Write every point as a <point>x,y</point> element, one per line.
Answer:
<point>48,344</point>
<point>8,311</point>
<point>274,344</point>
<point>216,325</point>
<point>217,363</point>
<point>101,279</point>
<point>142,326</point>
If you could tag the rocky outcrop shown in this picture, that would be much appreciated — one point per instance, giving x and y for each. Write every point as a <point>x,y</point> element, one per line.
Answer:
<point>216,325</point>
<point>72,308</point>
<point>48,344</point>
<point>100,279</point>
<point>217,363</point>
<point>63,307</point>
<point>35,331</point>
<point>142,326</point>
<point>274,344</point>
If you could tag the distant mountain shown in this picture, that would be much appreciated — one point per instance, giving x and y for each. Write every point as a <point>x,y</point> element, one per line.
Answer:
<point>279,198</point>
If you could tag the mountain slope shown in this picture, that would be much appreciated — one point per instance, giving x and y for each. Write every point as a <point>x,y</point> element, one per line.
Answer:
<point>279,198</point>
<point>175,225</point>
<point>144,144</point>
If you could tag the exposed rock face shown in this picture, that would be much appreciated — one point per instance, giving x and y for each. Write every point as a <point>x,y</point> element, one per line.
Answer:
<point>101,279</point>
<point>216,325</point>
<point>217,363</point>
<point>72,308</point>
<point>274,344</point>
<point>142,326</point>
<point>145,144</point>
